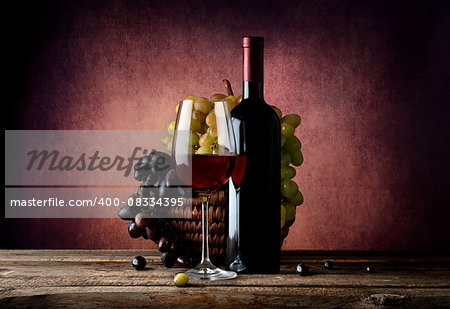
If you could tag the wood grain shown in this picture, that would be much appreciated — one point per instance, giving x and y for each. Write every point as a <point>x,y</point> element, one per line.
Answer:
<point>93,279</point>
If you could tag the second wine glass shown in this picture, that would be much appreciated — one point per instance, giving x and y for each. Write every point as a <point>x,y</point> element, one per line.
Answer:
<point>207,168</point>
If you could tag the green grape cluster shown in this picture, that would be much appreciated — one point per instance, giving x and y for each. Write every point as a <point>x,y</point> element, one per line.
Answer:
<point>203,123</point>
<point>291,154</point>
<point>204,141</point>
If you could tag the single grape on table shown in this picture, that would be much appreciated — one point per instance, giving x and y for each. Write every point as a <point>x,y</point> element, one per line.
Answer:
<point>181,279</point>
<point>328,265</point>
<point>139,262</point>
<point>302,269</point>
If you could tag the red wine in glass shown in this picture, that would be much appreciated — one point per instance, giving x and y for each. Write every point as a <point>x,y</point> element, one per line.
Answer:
<point>238,172</point>
<point>211,172</point>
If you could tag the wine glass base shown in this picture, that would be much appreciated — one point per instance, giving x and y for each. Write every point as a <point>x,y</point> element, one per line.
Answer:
<point>238,266</point>
<point>209,272</point>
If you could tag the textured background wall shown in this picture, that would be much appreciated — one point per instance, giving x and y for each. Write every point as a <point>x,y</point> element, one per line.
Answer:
<point>370,81</point>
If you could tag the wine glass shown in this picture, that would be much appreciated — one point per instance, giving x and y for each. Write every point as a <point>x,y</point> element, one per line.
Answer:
<point>237,177</point>
<point>206,168</point>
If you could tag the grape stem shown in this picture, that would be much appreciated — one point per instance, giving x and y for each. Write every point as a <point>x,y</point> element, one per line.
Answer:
<point>227,85</point>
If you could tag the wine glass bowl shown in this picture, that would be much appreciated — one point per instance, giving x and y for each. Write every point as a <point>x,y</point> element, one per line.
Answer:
<point>237,177</point>
<point>206,167</point>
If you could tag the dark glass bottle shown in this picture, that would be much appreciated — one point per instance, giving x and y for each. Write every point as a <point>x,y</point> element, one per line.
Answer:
<point>253,244</point>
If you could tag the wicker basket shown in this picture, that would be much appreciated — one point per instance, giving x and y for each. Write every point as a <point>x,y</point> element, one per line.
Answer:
<point>190,230</point>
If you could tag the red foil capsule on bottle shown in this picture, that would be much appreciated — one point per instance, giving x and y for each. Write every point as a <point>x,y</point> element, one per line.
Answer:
<point>253,47</point>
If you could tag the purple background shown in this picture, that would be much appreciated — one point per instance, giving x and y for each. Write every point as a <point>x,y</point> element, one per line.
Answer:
<point>370,80</point>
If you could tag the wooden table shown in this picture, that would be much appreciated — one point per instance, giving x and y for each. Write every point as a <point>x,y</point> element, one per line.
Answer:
<point>105,278</point>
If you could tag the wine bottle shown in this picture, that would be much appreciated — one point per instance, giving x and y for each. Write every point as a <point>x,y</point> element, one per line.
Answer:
<point>253,242</point>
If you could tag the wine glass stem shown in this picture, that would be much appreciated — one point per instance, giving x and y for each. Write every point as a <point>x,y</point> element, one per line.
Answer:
<point>238,221</point>
<point>205,229</point>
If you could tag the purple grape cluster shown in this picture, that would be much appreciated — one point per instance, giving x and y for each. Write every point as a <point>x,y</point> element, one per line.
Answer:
<point>156,174</point>
<point>174,252</point>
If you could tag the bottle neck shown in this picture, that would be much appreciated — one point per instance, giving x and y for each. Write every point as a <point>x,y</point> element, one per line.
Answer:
<point>253,72</point>
<point>253,90</point>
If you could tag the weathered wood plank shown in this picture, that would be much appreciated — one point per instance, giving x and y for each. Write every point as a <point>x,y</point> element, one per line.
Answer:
<point>286,255</point>
<point>216,297</point>
<point>82,274</point>
<point>92,278</point>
